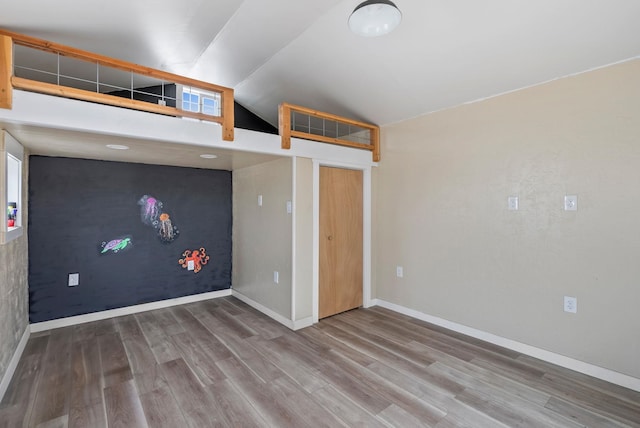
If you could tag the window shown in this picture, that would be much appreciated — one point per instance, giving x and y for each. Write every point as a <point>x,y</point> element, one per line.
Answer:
<point>200,102</point>
<point>11,158</point>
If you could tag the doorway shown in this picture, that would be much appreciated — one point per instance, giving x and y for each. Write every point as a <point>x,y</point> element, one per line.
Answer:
<point>341,240</point>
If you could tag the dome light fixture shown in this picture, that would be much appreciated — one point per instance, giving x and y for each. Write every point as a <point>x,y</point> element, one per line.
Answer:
<point>374,18</point>
<point>208,156</point>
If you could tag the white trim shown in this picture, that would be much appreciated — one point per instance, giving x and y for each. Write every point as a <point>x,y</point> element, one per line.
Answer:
<point>542,354</point>
<point>293,325</point>
<point>13,363</point>
<point>97,316</point>
<point>366,230</point>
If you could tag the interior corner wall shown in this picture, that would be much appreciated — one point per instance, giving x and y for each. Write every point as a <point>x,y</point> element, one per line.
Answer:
<point>14,297</point>
<point>304,239</point>
<point>262,235</point>
<point>79,208</point>
<point>443,185</point>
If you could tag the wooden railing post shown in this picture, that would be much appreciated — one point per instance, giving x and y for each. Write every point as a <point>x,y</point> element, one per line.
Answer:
<point>284,125</point>
<point>227,115</point>
<point>375,141</point>
<point>6,70</point>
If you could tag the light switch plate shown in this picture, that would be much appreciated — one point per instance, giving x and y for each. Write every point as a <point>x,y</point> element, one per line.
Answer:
<point>289,208</point>
<point>512,203</point>
<point>259,200</point>
<point>399,271</point>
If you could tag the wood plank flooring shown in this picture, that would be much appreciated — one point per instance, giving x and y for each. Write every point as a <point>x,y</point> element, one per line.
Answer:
<point>221,363</point>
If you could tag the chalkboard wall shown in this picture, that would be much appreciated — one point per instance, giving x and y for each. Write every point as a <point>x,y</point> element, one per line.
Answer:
<point>77,207</point>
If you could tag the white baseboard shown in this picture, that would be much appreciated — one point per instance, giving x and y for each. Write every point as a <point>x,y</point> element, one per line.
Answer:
<point>551,357</point>
<point>293,325</point>
<point>13,363</point>
<point>111,313</point>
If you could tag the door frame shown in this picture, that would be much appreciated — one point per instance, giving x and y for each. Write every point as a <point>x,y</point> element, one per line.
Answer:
<point>366,232</point>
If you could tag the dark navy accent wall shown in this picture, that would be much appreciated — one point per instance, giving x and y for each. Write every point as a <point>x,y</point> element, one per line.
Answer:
<point>75,204</point>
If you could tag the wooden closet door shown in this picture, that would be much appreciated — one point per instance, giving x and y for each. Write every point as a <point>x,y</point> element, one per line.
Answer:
<point>340,281</point>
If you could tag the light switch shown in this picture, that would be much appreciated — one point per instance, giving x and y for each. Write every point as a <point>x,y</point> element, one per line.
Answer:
<point>289,209</point>
<point>259,200</point>
<point>512,203</point>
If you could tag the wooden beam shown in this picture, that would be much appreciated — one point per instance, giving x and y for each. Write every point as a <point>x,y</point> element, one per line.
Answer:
<point>329,116</point>
<point>375,142</point>
<point>6,70</point>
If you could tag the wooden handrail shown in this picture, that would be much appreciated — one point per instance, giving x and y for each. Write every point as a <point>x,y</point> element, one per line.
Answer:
<point>284,127</point>
<point>226,94</point>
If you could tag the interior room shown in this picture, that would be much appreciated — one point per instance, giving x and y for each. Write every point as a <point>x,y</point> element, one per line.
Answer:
<point>327,213</point>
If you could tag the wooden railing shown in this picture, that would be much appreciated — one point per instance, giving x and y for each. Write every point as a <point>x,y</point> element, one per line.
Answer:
<point>309,124</point>
<point>8,81</point>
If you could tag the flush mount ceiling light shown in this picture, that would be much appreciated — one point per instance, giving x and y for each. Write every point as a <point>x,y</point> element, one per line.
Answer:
<point>117,147</point>
<point>208,156</point>
<point>374,18</point>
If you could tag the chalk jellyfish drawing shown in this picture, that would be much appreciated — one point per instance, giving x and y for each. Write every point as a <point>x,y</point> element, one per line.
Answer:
<point>116,245</point>
<point>167,231</point>
<point>194,260</point>
<point>150,210</point>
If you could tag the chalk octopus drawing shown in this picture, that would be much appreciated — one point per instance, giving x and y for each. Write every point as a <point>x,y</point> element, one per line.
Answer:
<point>150,210</point>
<point>167,231</point>
<point>198,258</point>
<point>116,245</point>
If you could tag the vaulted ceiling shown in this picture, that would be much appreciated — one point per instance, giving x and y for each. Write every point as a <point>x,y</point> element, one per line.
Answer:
<point>445,52</point>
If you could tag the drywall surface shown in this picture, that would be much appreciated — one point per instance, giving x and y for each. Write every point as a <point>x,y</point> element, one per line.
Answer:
<point>262,234</point>
<point>14,297</point>
<point>443,185</point>
<point>303,239</point>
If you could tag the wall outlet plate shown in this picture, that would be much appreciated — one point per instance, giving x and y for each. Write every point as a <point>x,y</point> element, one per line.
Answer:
<point>570,304</point>
<point>74,279</point>
<point>571,203</point>
<point>399,271</point>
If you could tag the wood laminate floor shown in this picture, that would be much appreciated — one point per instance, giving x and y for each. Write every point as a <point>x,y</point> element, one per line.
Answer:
<point>221,363</point>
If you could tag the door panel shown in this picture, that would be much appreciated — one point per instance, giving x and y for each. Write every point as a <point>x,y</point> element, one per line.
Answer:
<point>340,273</point>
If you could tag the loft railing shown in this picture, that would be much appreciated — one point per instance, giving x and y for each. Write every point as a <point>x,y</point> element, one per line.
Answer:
<point>40,66</point>
<point>302,122</point>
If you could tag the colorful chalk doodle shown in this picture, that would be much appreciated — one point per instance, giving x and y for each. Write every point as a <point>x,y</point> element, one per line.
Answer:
<point>150,210</point>
<point>194,260</point>
<point>167,231</point>
<point>151,214</point>
<point>115,245</point>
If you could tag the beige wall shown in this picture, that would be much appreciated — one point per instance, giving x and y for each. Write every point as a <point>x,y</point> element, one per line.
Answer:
<point>14,299</point>
<point>304,239</point>
<point>262,236</point>
<point>442,213</point>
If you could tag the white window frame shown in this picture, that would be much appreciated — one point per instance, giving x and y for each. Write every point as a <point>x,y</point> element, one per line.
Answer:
<point>10,151</point>
<point>202,96</point>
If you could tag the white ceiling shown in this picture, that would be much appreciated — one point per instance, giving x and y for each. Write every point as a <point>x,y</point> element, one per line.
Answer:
<point>445,52</point>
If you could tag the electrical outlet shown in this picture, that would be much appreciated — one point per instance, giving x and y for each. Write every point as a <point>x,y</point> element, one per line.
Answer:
<point>571,203</point>
<point>276,276</point>
<point>571,304</point>
<point>399,271</point>
<point>74,279</point>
